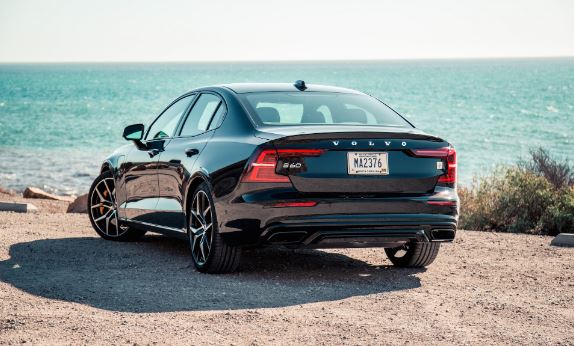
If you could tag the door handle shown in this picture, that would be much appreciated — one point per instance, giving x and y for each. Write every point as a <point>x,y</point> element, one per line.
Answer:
<point>191,151</point>
<point>153,152</point>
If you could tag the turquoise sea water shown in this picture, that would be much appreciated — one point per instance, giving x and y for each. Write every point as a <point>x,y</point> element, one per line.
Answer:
<point>58,121</point>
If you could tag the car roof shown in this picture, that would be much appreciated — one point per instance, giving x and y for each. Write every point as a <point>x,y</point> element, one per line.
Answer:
<point>242,88</point>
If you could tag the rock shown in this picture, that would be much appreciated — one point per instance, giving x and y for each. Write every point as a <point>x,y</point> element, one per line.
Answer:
<point>34,192</point>
<point>18,207</point>
<point>564,240</point>
<point>79,205</point>
<point>7,191</point>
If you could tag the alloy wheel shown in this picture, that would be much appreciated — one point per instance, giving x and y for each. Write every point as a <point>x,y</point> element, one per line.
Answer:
<point>103,208</point>
<point>201,227</point>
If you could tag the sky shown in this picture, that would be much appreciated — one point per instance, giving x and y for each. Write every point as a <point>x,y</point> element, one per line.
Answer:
<point>254,30</point>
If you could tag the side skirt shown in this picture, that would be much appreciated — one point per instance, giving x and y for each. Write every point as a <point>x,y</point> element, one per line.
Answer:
<point>167,231</point>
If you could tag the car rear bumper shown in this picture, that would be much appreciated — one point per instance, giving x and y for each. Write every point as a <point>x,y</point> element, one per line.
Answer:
<point>373,230</point>
<point>337,222</point>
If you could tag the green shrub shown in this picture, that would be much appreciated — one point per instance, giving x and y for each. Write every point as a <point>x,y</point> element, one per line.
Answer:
<point>559,217</point>
<point>529,198</point>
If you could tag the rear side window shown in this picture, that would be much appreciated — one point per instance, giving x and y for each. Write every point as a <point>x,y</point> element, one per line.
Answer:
<point>317,108</point>
<point>218,116</point>
<point>201,115</point>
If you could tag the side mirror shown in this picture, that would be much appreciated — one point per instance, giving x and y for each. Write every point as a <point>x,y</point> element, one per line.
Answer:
<point>134,132</point>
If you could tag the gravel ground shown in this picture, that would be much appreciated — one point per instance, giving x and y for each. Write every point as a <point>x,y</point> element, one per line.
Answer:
<point>60,284</point>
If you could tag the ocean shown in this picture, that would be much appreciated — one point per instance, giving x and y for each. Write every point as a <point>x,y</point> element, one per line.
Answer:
<point>59,121</point>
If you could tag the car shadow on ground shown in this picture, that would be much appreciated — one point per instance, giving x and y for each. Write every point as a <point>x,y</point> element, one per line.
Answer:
<point>156,275</point>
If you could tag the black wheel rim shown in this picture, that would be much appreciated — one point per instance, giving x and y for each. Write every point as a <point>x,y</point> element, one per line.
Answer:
<point>201,228</point>
<point>103,208</point>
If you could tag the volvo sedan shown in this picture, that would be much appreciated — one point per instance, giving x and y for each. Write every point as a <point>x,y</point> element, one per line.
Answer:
<point>305,166</point>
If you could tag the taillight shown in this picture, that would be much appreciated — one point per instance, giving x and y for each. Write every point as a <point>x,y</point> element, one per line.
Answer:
<point>262,169</point>
<point>299,152</point>
<point>449,154</point>
<point>450,176</point>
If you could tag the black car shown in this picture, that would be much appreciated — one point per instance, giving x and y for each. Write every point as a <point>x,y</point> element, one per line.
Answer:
<point>243,165</point>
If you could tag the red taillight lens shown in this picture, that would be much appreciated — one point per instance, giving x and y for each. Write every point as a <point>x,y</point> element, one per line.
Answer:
<point>262,169</point>
<point>300,152</point>
<point>295,204</point>
<point>439,152</point>
<point>449,153</point>
<point>443,203</point>
<point>450,176</point>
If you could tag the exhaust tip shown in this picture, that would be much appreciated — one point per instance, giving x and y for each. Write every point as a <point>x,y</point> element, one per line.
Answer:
<point>442,234</point>
<point>287,237</point>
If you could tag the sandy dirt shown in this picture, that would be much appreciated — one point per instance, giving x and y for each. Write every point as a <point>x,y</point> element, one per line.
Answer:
<point>60,284</point>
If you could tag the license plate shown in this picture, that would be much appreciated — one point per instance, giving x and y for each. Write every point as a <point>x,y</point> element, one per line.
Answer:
<point>368,163</point>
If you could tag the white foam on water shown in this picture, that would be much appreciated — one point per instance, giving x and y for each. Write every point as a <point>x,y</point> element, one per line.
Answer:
<point>552,109</point>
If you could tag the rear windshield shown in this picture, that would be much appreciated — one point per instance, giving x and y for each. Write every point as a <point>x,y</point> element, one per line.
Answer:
<point>316,108</point>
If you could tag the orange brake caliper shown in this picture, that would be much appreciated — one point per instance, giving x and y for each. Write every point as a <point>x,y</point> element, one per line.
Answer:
<point>102,206</point>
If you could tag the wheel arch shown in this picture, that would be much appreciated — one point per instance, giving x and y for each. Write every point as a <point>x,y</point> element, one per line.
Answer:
<point>194,182</point>
<point>106,166</point>
<point>111,163</point>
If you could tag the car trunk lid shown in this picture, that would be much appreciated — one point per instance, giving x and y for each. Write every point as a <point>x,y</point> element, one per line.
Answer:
<point>359,162</point>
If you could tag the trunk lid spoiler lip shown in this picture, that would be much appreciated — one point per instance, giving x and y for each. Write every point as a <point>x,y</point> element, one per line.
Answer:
<point>281,138</point>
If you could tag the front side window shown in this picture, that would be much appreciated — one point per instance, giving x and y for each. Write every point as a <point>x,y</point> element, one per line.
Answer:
<point>319,108</point>
<point>164,126</point>
<point>200,115</point>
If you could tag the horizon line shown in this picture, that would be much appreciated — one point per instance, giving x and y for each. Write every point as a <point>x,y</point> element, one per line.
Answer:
<point>284,60</point>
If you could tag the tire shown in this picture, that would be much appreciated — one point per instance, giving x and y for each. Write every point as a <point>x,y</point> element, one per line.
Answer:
<point>102,202</point>
<point>209,252</point>
<point>414,255</point>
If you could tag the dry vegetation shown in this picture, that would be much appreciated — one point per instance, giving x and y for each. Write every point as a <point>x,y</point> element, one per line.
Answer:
<point>535,196</point>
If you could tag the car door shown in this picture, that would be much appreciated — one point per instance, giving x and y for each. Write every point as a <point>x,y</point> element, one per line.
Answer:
<point>139,179</point>
<point>176,162</point>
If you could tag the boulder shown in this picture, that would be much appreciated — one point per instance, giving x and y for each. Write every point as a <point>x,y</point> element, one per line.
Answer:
<point>7,191</point>
<point>18,207</point>
<point>79,205</point>
<point>564,240</point>
<point>34,192</point>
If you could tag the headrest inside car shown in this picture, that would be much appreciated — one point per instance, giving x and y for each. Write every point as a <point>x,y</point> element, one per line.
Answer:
<point>313,117</point>
<point>353,116</point>
<point>268,114</point>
